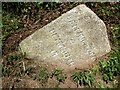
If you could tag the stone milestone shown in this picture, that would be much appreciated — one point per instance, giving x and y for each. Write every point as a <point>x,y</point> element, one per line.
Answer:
<point>73,40</point>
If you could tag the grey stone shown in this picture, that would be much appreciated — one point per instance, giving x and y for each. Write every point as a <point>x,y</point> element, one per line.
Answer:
<point>73,40</point>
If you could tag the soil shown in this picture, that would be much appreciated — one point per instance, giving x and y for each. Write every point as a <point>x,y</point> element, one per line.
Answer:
<point>47,16</point>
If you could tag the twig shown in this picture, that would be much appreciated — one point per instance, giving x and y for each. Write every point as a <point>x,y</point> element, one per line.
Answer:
<point>37,21</point>
<point>23,65</point>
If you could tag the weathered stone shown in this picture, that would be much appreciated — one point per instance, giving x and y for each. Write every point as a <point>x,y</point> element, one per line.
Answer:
<point>74,40</point>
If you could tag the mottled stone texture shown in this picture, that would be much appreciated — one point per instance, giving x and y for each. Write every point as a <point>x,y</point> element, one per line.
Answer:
<point>74,40</point>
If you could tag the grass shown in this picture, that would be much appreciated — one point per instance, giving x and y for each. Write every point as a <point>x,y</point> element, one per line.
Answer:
<point>85,78</point>
<point>13,65</point>
<point>116,35</point>
<point>43,75</point>
<point>111,68</point>
<point>59,75</point>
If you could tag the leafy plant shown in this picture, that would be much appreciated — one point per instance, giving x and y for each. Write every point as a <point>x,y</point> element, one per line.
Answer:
<point>58,73</point>
<point>84,78</point>
<point>11,25</point>
<point>31,8</point>
<point>48,5</point>
<point>95,70</point>
<point>111,10</point>
<point>116,30</point>
<point>111,68</point>
<point>43,75</point>
<point>101,85</point>
<point>18,7</point>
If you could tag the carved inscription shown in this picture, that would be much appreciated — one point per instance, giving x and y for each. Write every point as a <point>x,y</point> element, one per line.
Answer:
<point>79,34</point>
<point>62,47</point>
<point>54,53</point>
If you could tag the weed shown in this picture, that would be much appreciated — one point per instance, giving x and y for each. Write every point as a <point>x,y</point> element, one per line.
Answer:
<point>84,78</point>
<point>43,75</point>
<point>47,5</point>
<point>101,85</point>
<point>116,30</point>
<point>30,8</point>
<point>58,73</point>
<point>111,68</point>
<point>110,10</point>
<point>10,25</point>
<point>13,65</point>
<point>95,70</point>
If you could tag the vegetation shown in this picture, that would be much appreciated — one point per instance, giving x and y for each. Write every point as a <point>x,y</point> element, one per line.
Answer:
<point>58,73</point>
<point>111,68</point>
<point>13,65</point>
<point>108,70</point>
<point>43,75</point>
<point>13,20</point>
<point>84,78</point>
<point>11,24</point>
<point>116,34</point>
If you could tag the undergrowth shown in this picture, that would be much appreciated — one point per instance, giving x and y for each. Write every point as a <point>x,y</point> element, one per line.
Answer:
<point>85,78</point>
<point>111,68</point>
<point>59,75</point>
<point>43,75</point>
<point>13,65</point>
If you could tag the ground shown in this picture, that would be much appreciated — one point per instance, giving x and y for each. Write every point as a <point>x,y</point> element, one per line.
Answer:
<point>21,72</point>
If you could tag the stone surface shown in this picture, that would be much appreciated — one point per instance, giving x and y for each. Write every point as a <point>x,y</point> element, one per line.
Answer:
<point>74,40</point>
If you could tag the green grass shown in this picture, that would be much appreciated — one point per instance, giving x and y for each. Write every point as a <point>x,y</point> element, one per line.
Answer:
<point>116,35</point>
<point>59,75</point>
<point>85,78</point>
<point>13,65</point>
<point>111,68</point>
<point>43,75</point>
